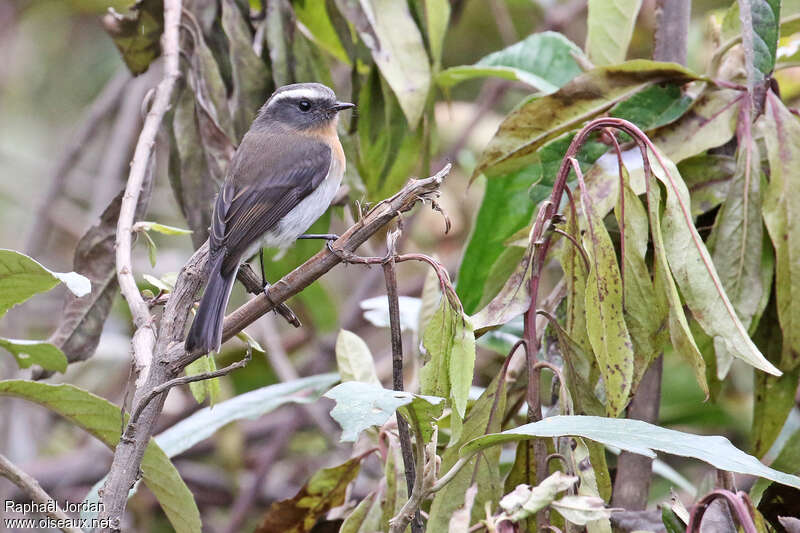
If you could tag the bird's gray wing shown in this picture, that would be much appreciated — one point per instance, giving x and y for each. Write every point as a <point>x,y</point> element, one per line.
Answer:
<point>263,186</point>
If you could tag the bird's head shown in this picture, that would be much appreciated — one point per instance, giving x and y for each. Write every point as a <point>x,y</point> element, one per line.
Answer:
<point>301,106</point>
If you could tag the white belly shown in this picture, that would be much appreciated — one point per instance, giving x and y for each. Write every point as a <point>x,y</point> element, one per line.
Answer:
<point>297,221</point>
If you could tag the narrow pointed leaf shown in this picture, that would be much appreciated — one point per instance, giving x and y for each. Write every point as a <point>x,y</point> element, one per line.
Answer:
<point>642,438</point>
<point>781,132</point>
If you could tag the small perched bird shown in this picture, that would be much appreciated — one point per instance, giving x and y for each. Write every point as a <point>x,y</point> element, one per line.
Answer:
<point>281,179</point>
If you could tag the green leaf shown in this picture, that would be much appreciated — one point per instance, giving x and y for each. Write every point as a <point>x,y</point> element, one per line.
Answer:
<point>655,106</point>
<point>645,315</point>
<point>609,29</point>
<point>710,122</point>
<point>207,388</point>
<point>152,249</point>
<point>737,236</point>
<point>759,25</point>
<point>250,405</point>
<point>313,14</point>
<point>161,228</point>
<point>787,460</point>
<point>506,209</point>
<point>365,518</point>
<point>278,34</point>
<point>695,274</point>
<point>362,405</point>
<point>708,178</point>
<point>483,469</point>
<point>680,334</point>
<point>449,343</point>
<point>781,208</point>
<point>354,360</point>
<point>545,61</point>
<point>437,17</point>
<point>638,437</point>
<point>773,397</point>
<point>192,186</point>
<point>671,521</point>
<point>326,489</point>
<point>137,34</point>
<point>605,322</point>
<point>40,353</point>
<point>250,75</point>
<point>21,277</point>
<point>103,420</point>
<point>387,28</point>
<point>539,120</point>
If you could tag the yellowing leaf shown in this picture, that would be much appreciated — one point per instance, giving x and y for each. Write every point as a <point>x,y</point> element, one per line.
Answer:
<point>609,29</point>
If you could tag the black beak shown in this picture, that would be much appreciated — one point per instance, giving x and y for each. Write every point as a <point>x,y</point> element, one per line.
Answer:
<point>341,106</point>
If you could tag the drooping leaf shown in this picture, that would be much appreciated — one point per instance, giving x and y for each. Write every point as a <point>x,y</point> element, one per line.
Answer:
<point>645,315</point>
<point>21,277</point>
<point>250,75</point>
<point>137,34</point>
<point>609,29</point>
<point>437,18</point>
<point>759,25</point>
<point>191,183</point>
<point>483,469</point>
<point>545,61</point>
<point>639,437</point>
<point>773,397</point>
<point>326,489</point>
<point>362,405</point>
<point>605,322</point>
<point>40,353</point>
<point>737,237</point>
<point>694,272</point>
<point>539,120</point>
<point>82,321</point>
<point>207,388</point>
<point>102,419</point>
<point>387,150</point>
<point>354,360</point>
<point>781,207</point>
<point>279,36</point>
<point>313,14</point>
<point>449,343</point>
<point>388,29</point>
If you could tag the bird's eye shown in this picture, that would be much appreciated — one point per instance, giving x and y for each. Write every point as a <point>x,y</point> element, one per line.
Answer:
<point>304,105</point>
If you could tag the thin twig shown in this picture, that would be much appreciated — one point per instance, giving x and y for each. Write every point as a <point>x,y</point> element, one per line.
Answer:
<point>390,276</point>
<point>143,342</point>
<point>185,380</point>
<point>170,358</point>
<point>36,493</point>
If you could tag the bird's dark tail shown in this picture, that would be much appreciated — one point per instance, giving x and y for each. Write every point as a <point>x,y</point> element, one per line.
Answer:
<point>205,335</point>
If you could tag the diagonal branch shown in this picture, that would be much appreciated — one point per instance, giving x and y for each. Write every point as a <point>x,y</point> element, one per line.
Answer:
<point>170,358</point>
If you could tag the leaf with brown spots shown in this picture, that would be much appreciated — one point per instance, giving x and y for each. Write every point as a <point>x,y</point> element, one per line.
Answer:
<point>539,120</point>
<point>605,321</point>
<point>326,489</point>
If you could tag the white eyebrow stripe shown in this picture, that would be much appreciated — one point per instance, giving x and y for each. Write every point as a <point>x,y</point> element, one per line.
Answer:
<point>297,93</point>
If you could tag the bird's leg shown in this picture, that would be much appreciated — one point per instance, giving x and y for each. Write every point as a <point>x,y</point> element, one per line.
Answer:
<point>282,309</point>
<point>327,236</point>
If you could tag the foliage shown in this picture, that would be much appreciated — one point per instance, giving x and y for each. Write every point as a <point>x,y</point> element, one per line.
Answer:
<point>631,209</point>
